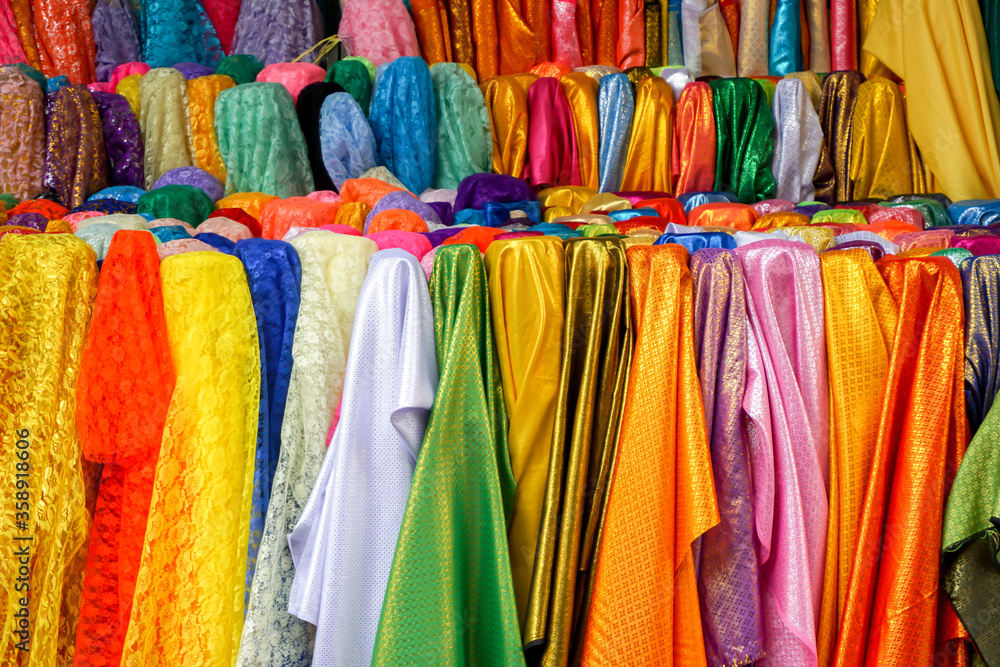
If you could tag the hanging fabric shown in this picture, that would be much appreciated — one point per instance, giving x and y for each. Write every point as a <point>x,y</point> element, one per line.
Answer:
<point>836,114</point>
<point>982,380</point>
<point>116,37</point>
<point>177,31</point>
<point>552,151</point>
<point>650,150</point>
<point>277,33</point>
<point>22,134</point>
<point>464,142</point>
<point>582,93</point>
<point>799,138</point>
<point>164,123</point>
<point>76,164</point>
<point>122,140</point>
<point>744,136</point>
<point>880,149</point>
<point>202,93</point>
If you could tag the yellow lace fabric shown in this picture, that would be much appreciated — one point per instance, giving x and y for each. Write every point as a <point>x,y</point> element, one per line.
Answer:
<point>189,596</point>
<point>162,114</point>
<point>47,288</point>
<point>202,92</point>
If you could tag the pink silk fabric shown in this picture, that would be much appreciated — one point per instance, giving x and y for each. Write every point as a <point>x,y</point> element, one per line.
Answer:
<point>552,154</point>
<point>786,402</point>
<point>565,40</point>
<point>843,35</point>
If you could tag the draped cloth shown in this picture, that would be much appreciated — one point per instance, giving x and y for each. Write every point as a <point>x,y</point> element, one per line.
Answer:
<point>47,286</point>
<point>353,76</point>
<point>463,486</point>
<point>333,270</point>
<point>276,162</point>
<point>880,163</point>
<point>744,135</point>
<point>892,610</point>
<point>843,35</point>
<point>223,14</point>
<point>507,104</point>
<point>378,30</point>
<point>123,392</point>
<point>57,37</point>
<point>163,120</point>
<point>860,318</point>
<point>953,114</point>
<point>346,140</point>
<point>526,300</point>
<point>525,35</point>
<point>785,48</point>
<point>464,141</point>
<point>649,162</point>
<point>403,119</point>
<point>122,140</point>
<point>343,543</point>
<point>177,31</point>
<point>752,56</point>
<point>552,150</point>
<point>630,50</point>
<point>116,37</point>
<point>725,562</point>
<point>693,160</point>
<point>11,50</point>
<point>981,283</point>
<point>22,134</point>
<point>836,114</point>
<point>277,32</point>
<point>786,405</point>
<point>589,398</point>
<point>308,106</point>
<point>582,93</point>
<point>616,111</point>
<point>799,142</point>
<point>190,587</point>
<point>661,498</point>
<point>76,164</point>
<point>202,93</point>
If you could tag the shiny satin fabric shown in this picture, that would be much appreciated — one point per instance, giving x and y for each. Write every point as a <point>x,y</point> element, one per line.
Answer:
<point>552,151</point>
<point>76,164</point>
<point>843,35</point>
<point>164,123</point>
<point>591,392</point>
<point>744,131</point>
<point>891,614</point>
<point>525,35</point>
<point>565,39</point>
<point>526,300</point>
<point>788,431</point>
<point>694,140</point>
<point>473,35</point>
<point>785,47</point>
<point>778,220</point>
<point>430,19</point>
<point>964,162</point>
<point>202,93</point>
<point>582,94</point>
<point>695,242</point>
<point>507,104</point>
<point>465,492</point>
<point>123,433</point>
<point>753,43</point>
<point>836,114</point>
<point>57,37</point>
<point>648,162</point>
<point>860,317</point>
<point>122,140</point>
<point>981,282</point>
<point>880,151</point>
<point>735,216</point>
<point>464,141</point>
<point>728,576</point>
<point>652,13</point>
<point>192,580</point>
<point>22,134</point>
<point>616,111</point>
<point>567,197</point>
<point>630,50</point>
<point>645,608</point>
<point>799,141</point>
<point>47,285</point>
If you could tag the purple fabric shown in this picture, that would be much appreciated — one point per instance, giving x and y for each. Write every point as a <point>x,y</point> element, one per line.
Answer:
<point>810,210</point>
<point>443,209</point>
<point>874,249</point>
<point>115,36</point>
<point>122,139</point>
<point>33,220</point>
<point>439,236</point>
<point>403,200</point>
<point>516,235</point>
<point>477,189</point>
<point>979,245</point>
<point>194,70</point>
<point>195,177</point>
<point>277,32</point>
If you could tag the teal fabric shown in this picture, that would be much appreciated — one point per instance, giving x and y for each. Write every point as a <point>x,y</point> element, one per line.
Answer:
<point>180,202</point>
<point>464,140</point>
<point>240,67</point>
<point>355,77</point>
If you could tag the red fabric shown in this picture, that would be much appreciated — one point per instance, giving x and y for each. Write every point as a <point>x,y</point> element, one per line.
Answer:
<point>242,217</point>
<point>478,236</point>
<point>669,209</point>
<point>45,207</point>
<point>282,214</point>
<point>641,222</point>
<point>843,35</point>
<point>367,190</point>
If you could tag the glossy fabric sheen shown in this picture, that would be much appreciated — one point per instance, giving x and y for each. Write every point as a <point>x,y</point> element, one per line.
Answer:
<point>694,143</point>
<point>507,103</point>
<point>48,285</point>
<point>616,111</point>
<point>649,159</point>
<point>799,141</point>
<point>552,151</point>
<point>744,129</point>
<point>75,160</point>
<point>880,151</point>
<point>981,283</point>
<point>836,113</point>
<point>582,94</point>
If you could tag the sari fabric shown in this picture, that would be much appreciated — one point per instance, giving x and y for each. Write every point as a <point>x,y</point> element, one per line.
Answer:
<point>661,498</point>
<point>465,491</point>
<point>880,144</point>
<point>277,32</point>
<point>191,583</point>
<point>346,140</point>
<point>403,119</point>
<point>981,283</point>
<point>275,163</point>
<point>693,162</point>
<point>47,285</point>
<point>552,155</point>
<point>836,114</point>
<point>464,142</point>
<point>76,164</point>
<point>163,119</point>
<point>333,269</point>
<point>202,93</point>
<point>22,134</point>
<point>649,161</point>
<point>744,134</point>
<point>116,36</point>
<point>525,36</point>
<point>122,140</point>
<point>892,610</point>
<point>630,50</point>
<point>177,31</point>
<point>725,562</point>
<point>126,380</point>
<point>378,30</point>
<point>616,110</point>
<point>582,93</point>
<point>786,403</point>
<point>799,142</point>
<point>507,103</point>
<point>344,541</point>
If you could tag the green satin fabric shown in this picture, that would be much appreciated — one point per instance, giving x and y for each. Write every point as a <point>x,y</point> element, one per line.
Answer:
<point>354,77</point>
<point>597,349</point>
<point>935,215</point>
<point>450,598</point>
<point>744,129</point>
<point>464,138</point>
<point>956,255</point>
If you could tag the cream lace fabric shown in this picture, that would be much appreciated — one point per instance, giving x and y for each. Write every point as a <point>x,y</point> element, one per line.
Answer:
<point>333,269</point>
<point>163,119</point>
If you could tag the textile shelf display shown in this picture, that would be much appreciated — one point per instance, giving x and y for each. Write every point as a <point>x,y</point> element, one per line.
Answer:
<point>499,333</point>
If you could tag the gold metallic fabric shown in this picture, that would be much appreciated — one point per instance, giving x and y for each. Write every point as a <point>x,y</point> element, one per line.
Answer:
<point>836,115</point>
<point>868,64</point>
<point>605,26</point>
<point>880,151</point>
<point>596,351</point>
<point>581,92</point>
<point>571,197</point>
<point>525,34</point>
<point>507,103</point>
<point>604,202</point>
<point>430,18</point>
<point>780,219</point>
<point>47,287</point>
<point>649,161</point>
<point>652,11</point>
<point>353,214</point>
<point>820,238</point>
<point>251,203</point>
<point>202,92</point>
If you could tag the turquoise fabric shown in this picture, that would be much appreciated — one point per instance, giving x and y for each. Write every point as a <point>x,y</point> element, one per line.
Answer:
<point>464,140</point>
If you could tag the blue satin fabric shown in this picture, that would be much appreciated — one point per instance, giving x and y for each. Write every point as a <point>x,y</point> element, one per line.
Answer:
<point>498,213</point>
<point>164,234</point>
<point>692,200</point>
<point>699,241</point>
<point>786,39</point>
<point>979,212</point>
<point>346,140</point>
<point>177,31</point>
<point>629,213</point>
<point>555,229</point>
<point>125,193</point>
<point>470,216</point>
<point>220,243</point>
<point>403,119</point>
<point>615,111</point>
<point>55,83</point>
<point>981,282</point>
<point>274,275</point>
<point>672,35</point>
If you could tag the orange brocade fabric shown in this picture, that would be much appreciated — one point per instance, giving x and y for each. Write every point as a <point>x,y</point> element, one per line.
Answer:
<point>126,380</point>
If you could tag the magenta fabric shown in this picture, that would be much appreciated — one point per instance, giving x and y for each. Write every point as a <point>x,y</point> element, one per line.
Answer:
<point>223,14</point>
<point>412,242</point>
<point>786,404</point>
<point>552,154</point>
<point>977,245</point>
<point>636,196</point>
<point>100,87</point>
<point>769,206</point>
<point>516,235</point>
<point>125,70</point>
<point>379,30</point>
<point>341,229</point>
<point>293,76</point>
<point>10,46</point>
